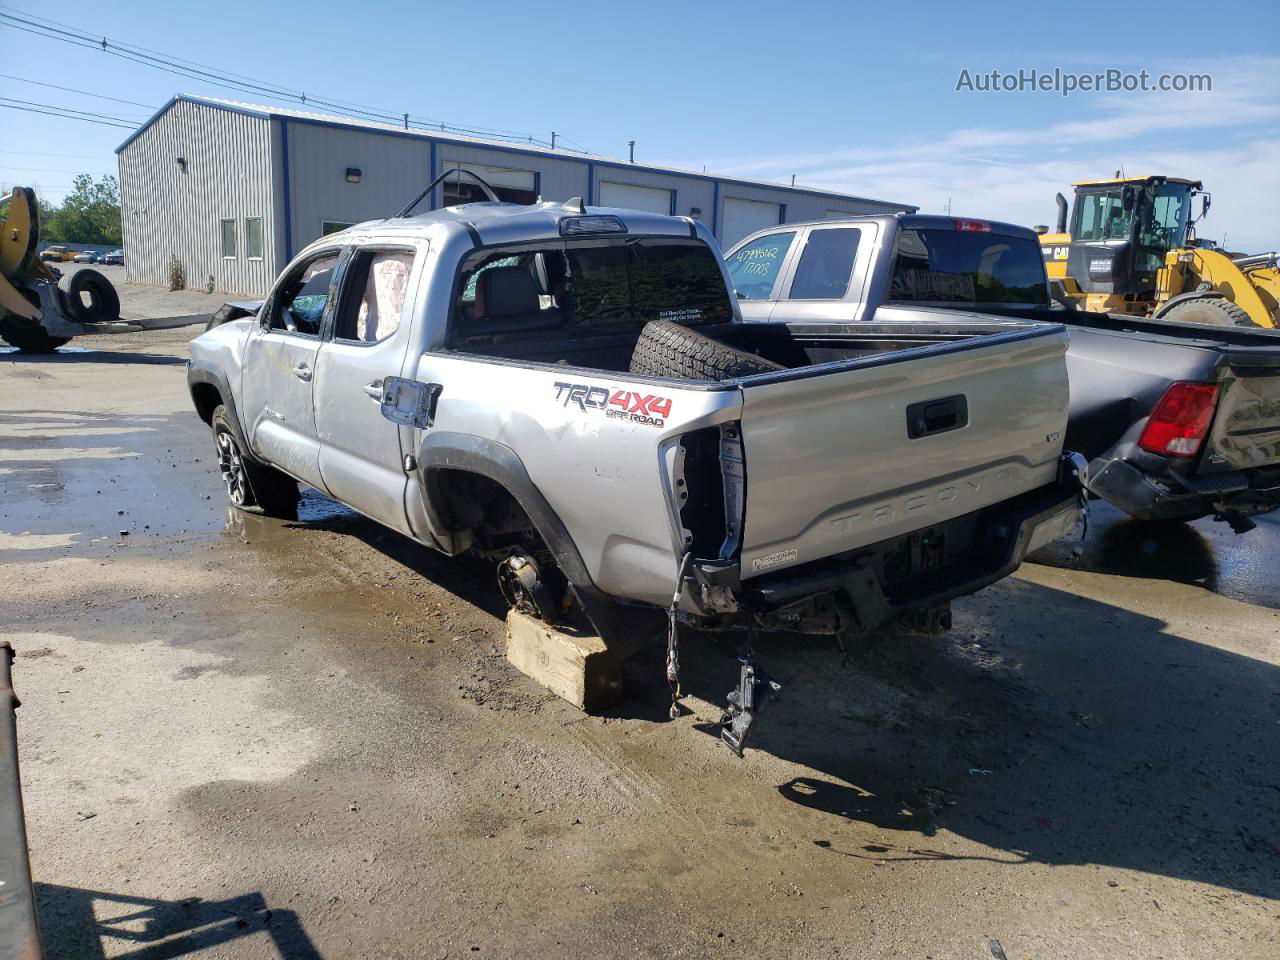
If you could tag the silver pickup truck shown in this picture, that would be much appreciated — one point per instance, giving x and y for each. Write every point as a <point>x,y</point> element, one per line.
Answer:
<point>1178,420</point>
<point>572,392</point>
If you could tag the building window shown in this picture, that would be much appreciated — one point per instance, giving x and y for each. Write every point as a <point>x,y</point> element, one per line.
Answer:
<point>511,186</point>
<point>253,238</point>
<point>333,226</point>
<point>228,239</point>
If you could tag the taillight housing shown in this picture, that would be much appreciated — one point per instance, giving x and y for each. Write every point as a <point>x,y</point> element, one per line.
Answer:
<point>1179,423</point>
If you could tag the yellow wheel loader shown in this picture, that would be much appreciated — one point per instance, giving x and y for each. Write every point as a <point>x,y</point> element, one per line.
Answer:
<point>40,309</point>
<point>1131,249</point>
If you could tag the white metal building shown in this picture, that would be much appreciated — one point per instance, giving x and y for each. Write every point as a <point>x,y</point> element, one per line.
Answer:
<point>234,190</point>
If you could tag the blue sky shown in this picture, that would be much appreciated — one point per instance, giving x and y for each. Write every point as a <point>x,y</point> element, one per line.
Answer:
<point>858,97</point>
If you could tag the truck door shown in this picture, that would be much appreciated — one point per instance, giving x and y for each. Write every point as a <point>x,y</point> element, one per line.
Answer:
<point>826,275</point>
<point>361,461</point>
<point>279,369</point>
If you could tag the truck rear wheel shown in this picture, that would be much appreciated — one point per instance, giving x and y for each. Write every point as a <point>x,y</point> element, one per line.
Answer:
<point>670,350</point>
<point>251,486</point>
<point>1214,310</point>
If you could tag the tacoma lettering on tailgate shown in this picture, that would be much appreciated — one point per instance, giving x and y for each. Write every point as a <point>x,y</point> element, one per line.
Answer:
<point>889,510</point>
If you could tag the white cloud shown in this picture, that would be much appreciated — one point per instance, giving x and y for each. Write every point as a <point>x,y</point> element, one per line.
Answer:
<point>1229,138</point>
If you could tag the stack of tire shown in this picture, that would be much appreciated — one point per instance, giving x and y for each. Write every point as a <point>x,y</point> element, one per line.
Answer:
<point>85,296</point>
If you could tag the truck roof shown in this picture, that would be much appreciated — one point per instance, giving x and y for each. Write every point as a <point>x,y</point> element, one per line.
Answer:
<point>914,221</point>
<point>513,222</point>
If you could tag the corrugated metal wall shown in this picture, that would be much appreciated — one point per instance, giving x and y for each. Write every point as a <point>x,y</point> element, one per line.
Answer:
<point>293,174</point>
<point>392,171</point>
<point>168,212</point>
<point>692,193</point>
<point>558,179</point>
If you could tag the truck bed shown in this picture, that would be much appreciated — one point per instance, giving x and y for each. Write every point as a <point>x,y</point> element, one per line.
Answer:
<point>1120,366</point>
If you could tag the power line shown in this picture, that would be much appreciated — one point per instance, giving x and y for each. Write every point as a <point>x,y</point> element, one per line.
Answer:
<point>54,86</point>
<point>105,123</point>
<point>63,156</point>
<point>50,29</point>
<point>57,170</point>
<point>53,106</point>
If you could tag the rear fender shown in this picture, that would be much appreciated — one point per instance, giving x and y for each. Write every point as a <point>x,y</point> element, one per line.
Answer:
<point>443,450</point>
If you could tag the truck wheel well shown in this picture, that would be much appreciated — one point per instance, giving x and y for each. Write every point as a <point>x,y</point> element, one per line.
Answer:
<point>207,399</point>
<point>472,501</point>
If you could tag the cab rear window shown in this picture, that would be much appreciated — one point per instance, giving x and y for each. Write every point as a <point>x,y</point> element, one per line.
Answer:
<point>952,266</point>
<point>588,287</point>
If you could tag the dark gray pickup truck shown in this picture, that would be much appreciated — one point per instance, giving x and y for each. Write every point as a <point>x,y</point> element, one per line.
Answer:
<point>1178,420</point>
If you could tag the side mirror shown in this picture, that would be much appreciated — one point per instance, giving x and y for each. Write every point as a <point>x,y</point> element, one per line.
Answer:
<point>1127,198</point>
<point>1205,200</point>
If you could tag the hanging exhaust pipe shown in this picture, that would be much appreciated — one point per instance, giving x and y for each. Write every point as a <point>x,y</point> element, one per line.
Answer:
<point>1062,213</point>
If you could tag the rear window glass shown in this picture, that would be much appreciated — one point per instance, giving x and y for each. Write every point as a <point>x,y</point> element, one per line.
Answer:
<point>967,266</point>
<point>582,287</point>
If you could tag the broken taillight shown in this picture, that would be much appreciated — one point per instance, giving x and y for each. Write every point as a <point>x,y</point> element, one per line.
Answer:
<point>1180,421</point>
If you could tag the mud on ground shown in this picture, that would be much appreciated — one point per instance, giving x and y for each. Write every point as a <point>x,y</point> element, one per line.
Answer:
<point>250,738</point>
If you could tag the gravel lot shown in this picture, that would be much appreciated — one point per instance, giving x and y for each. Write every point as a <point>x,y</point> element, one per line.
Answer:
<point>248,738</point>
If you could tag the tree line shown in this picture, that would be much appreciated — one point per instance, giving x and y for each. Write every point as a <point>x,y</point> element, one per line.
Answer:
<point>90,213</point>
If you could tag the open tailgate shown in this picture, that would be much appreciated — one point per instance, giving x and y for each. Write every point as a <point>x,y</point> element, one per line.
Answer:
<point>843,455</point>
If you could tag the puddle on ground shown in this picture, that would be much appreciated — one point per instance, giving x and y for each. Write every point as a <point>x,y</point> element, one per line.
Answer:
<point>314,510</point>
<point>8,349</point>
<point>1203,553</point>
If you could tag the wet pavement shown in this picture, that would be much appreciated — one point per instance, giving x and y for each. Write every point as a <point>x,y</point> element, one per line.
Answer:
<point>245,737</point>
<point>1204,553</point>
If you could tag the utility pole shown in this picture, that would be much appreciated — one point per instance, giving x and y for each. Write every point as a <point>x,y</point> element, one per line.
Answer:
<point>948,206</point>
<point>406,121</point>
<point>793,179</point>
<point>553,139</point>
<point>631,150</point>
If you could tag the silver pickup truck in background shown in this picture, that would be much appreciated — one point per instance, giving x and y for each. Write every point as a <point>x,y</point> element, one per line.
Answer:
<point>1178,420</point>
<point>572,392</point>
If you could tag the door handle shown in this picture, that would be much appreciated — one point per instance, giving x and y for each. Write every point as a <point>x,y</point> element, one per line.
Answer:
<point>373,390</point>
<point>302,372</point>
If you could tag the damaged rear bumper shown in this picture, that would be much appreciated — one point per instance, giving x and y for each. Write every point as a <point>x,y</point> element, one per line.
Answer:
<point>865,588</point>
<point>1145,496</point>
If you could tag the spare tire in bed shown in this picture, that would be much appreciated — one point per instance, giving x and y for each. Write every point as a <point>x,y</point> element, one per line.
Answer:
<point>670,350</point>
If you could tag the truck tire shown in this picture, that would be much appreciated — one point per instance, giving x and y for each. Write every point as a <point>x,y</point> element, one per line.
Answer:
<point>1215,310</point>
<point>103,302</point>
<point>251,486</point>
<point>670,350</point>
<point>28,336</point>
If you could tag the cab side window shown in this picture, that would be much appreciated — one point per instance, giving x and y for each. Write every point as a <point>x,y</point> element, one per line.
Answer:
<point>300,304</point>
<point>376,286</point>
<point>825,265</point>
<point>754,268</point>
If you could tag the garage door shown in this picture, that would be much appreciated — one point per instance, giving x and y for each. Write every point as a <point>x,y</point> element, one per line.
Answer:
<point>741,217</point>
<point>631,197</point>
<point>513,186</point>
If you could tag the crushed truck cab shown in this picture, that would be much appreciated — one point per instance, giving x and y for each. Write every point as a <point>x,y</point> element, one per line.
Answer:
<point>490,378</point>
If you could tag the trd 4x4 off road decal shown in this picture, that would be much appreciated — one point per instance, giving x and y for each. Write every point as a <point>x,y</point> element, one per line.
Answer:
<point>627,405</point>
